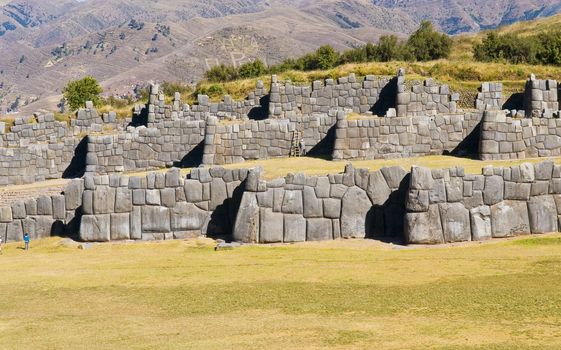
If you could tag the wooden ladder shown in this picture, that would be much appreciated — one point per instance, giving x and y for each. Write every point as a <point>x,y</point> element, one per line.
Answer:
<point>295,150</point>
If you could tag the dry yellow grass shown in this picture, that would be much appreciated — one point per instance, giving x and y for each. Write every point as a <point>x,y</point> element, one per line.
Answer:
<point>316,166</point>
<point>343,295</point>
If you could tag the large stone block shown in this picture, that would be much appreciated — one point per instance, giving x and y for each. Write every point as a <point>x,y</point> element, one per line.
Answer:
<point>394,175</point>
<point>480,223</point>
<point>313,206</point>
<point>153,197</point>
<point>542,213</point>
<point>136,223</point>
<point>44,205</point>
<point>167,196</point>
<point>417,200</point>
<point>59,207</point>
<point>218,193</point>
<point>509,218</point>
<point>421,178</point>
<point>18,210</point>
<point>271,226</point>
<point>319,230</point>
<point>73,194</point>
<point>155,219</point>
<point>378,190</point>
<point>120,226</point>
<point>6,215</point>
<point>455,222</point>
<point>14,231</point>
<point>104,200</point>
<point>294,228</point>
<point>187,217</point>
<point>355,210</point>
<point>95,228</point>
<point>246,227</point>
<point>332,208</point>
<point>123,200</point>
<point>193,191</point>
<point>424,228</point>
<point>292,202</point>
<point>494,190</point>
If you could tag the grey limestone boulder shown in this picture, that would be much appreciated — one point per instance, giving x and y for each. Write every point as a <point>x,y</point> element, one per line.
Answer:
<point>332,208</point>
<point>104,200</point>
<point>480,223</point>
<point>354,213</point>
<point>421,178</point>
<point>120,226</point>
<point>153,197</point>
<point>509,218</point>
<point>417,200</point>
<point>187,217</point>
<point>378,189</point>
<point>271,226</point>
<point>18,210</point>
<point>123,200</point>
<point>136,223</point>
<point>59,208</point>
<point>455,222</point>
<point>73,194</point>
<point>218,193</point>
<point>44,205</point>
<point>292,202</point>
<point>193,191</point>
<point>294,228</point>
<point>155,219</point>
<point>494,190</point>
<point>6,214</point>
<point>167,196</point>
<point>95,228</point>
<point>313,206</point>
<point>319,229</point>
<point>542,213</point>
<point>246,227</point>
<point>393,175</point>
<point>424,228</point>
<point>14,231</point>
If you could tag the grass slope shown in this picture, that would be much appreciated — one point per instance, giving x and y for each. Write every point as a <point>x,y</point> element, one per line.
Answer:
<point>343,294</point>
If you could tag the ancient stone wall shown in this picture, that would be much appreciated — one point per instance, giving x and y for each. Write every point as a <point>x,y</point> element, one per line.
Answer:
<point>396,137</point>
<point>541,97</point>
<point>227,143</point>
<point>287,99</point>
<point>355,204</point>
<point>44,216</point>
<point>490,96</point>
<point>505,137</point>
<point>422,99</point>
<point>451,206</point>
<point>160,205</point>
<point>168,143</point>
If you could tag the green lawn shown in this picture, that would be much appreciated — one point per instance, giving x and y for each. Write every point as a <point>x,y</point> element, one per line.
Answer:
<point>345,294</point>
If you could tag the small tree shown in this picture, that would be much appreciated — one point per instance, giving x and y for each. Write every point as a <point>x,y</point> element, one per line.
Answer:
<point>252,69</point>
<point>77,92</point>
<point>428,44</point>
<point>326,57</point>
<point>388,48</point>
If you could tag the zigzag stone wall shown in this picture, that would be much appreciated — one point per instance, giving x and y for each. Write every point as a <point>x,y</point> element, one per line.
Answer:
<point>347,92</point>
<point>263,139</point>
<point>505,137</point>
<point>451,206</point>
<point>355,204</point>
<point>397,137</point>
<point>424,99</point>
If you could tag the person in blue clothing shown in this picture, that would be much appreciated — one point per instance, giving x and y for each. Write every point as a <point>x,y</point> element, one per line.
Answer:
<point>26,241</point>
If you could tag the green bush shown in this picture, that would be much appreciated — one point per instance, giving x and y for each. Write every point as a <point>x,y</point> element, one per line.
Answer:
<point>222,73</point>
<point>427,44</point>
<point>77,92</point>
<point>252,69</point>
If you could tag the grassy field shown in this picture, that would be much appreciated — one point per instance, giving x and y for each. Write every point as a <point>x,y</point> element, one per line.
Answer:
<point>343,294</point>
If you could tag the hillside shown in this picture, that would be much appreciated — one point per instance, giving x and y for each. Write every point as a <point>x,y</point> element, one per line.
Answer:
<point>127,43</point>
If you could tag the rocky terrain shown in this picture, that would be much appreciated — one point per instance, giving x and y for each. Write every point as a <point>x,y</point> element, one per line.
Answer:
<point>125,43</point>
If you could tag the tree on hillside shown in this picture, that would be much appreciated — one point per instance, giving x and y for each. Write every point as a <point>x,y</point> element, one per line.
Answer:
<point>427,44</point>
<point>77,92</point>
<point>252,69</point>
<point>326,57</point>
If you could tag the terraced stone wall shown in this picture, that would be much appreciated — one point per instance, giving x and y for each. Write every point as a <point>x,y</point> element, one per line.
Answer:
<point>505,137</point>
<point>424,99</point>
<point>160,206</point>
<point>540,97</point>
<point>452,206</point>
<point>397,137</point>
<point>167,143</point>
<point>227,143</point>
<point>355,204</point>
<point>287,99</point>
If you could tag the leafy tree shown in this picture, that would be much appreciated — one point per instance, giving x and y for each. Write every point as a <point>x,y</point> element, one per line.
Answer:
<point>326,57</point>
<point>77,92</point>
<point>550,48</point>
<point>388,48</point>
<point>221,73</point>
<point>252,69</point>
<point>428,44</point>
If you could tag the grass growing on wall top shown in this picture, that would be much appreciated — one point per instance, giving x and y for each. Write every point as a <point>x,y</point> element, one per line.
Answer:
<point>344,294</point>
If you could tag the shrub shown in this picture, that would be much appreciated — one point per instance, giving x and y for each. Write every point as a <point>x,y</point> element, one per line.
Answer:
<point>77,92</point>
<point>427,44</point>
<point>252,69</point>
<point>221,73</point>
